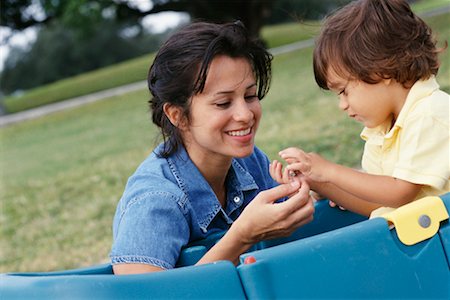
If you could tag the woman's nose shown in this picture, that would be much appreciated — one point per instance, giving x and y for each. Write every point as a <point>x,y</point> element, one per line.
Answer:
<point>243,112</point>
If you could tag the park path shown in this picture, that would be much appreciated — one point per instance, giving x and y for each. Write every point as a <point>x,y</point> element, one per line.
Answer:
<point>43,110</point>
<point>82,100</point>
<point>120,90</point>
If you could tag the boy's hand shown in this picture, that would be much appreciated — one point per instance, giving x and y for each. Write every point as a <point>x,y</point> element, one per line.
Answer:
<point>311,165</point>
<point>317,197</point>
<point>332,204</point>
<point>283,176</point>
<point>278,174</point>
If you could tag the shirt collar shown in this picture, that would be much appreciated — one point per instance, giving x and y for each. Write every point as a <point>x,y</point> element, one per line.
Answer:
<point>198,191</point>
<point>421,89</point>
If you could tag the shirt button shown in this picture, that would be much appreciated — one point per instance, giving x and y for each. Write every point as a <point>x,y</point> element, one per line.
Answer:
<point>236,199</point>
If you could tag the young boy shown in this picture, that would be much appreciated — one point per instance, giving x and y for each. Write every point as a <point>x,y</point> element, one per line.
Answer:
<point>381,61</point>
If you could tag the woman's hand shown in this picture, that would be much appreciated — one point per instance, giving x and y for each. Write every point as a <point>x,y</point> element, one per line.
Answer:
<point>264,219</point>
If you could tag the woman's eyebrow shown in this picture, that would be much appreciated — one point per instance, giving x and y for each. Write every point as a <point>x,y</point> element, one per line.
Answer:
<point>251,85</point>
<point>232,91</point>
<point>224,92</point>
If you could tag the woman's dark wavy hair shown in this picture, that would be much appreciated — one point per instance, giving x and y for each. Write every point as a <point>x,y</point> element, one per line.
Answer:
<point>371,40</point>
<point>181,65</point>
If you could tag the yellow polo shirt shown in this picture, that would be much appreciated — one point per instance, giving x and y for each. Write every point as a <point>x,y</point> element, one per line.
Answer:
<point>417,147</point>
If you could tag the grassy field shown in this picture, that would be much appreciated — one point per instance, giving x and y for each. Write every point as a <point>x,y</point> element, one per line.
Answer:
<point>62,175</point>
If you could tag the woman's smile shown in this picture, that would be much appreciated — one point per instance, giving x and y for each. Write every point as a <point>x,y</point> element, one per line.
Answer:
<point>240,132</point>
<point>243,136</point>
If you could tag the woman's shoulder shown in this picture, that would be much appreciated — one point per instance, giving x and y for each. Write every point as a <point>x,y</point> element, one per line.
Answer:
<point>152,178</point>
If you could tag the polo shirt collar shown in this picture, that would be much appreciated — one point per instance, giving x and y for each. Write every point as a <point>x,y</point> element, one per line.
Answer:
<point>382,134</point>
<point>199,193</point>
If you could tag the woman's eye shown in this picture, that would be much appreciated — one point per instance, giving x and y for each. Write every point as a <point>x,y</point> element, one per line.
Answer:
<point>223,104</point>
<point>251,98</point>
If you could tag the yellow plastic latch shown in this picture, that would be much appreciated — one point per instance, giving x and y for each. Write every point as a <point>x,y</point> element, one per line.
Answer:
<point>418,220</point>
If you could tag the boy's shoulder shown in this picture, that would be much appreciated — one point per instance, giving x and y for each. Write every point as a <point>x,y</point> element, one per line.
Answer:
<point>427,100</point>
<point>435,105</point>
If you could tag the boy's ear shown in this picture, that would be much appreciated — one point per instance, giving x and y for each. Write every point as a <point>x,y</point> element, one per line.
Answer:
<point>174,114</point>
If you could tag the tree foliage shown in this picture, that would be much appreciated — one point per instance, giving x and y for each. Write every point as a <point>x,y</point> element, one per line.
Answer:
<point>80,35</point>
<point>295,10</point>
<point>21,14</point>
<point>59,53</point>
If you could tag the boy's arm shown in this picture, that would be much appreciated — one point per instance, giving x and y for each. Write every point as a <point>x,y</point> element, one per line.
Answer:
<point>342,198</point>
<point>377,189</point>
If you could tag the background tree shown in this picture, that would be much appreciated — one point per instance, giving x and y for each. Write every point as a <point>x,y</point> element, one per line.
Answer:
<point>76,36</point>
<point>298,10</point>
<point>21,14</point>
<point>59,52</point>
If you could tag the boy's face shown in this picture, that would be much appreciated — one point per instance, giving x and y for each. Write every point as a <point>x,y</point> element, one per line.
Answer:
<point>369,104</point>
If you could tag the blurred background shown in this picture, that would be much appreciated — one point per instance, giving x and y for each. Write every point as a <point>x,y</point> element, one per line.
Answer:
<point>63,170</point>
<point>59,39</point>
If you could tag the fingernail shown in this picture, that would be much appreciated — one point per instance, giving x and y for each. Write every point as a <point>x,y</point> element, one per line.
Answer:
<point>292,173</point>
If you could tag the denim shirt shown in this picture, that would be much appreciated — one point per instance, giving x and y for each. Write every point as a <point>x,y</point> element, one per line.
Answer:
<point>167,203</point>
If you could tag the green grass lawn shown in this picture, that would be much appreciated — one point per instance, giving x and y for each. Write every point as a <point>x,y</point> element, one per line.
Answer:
<point>425,5</point>
<point>130,71</point>
<point>62,174</point>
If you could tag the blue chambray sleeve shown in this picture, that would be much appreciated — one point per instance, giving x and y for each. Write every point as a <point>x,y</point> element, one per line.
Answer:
<point>149,229</point>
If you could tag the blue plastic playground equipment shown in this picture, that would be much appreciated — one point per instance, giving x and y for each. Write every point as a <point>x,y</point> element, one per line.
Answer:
<point>405,254</point>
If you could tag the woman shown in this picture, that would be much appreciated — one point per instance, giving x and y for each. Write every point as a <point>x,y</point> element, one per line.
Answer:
<point>207,176</point>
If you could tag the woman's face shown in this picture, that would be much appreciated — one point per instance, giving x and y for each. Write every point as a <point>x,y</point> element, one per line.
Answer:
<point>225,116</point>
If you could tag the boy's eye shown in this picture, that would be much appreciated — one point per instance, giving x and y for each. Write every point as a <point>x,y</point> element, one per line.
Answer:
<point>343,91</point>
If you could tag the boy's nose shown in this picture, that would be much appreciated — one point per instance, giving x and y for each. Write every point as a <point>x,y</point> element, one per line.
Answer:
<point>343,104</point>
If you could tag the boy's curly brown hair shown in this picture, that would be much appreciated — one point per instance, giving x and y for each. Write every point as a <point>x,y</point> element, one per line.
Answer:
<point>371,40</point>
